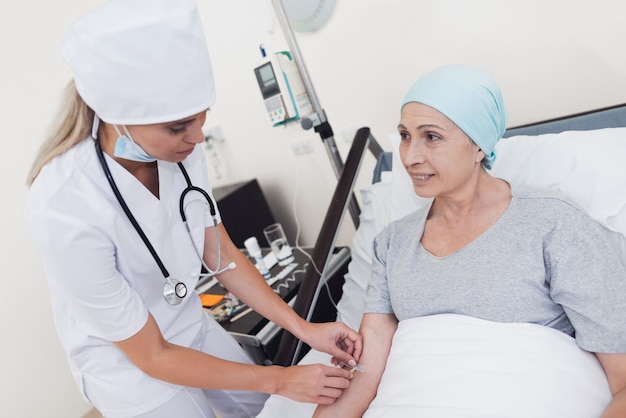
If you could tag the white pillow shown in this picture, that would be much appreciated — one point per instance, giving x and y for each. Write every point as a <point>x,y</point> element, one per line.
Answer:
<point>587,166</point>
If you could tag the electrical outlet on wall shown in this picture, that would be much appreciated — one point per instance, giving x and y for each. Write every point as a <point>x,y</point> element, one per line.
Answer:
<point>214,133</point>
<point>301,146</point>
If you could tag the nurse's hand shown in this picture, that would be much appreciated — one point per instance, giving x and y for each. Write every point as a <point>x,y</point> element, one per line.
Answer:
<point>336,339</point>
<point>314,383</point>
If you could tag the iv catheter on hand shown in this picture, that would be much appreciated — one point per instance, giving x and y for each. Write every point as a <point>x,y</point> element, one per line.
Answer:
<point>352,369</point>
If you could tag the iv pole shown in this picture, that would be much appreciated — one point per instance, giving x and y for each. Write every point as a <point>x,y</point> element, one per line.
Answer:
<point>320,124</point>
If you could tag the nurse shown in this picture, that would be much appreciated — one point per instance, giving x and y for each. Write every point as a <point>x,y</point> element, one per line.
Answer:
<point>105,209</point>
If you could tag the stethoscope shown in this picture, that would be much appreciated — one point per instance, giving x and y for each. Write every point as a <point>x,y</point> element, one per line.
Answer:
<point>174,291</point>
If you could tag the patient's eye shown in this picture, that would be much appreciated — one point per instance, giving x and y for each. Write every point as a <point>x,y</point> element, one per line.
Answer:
<point>404,136</point>
<point>431,137</point>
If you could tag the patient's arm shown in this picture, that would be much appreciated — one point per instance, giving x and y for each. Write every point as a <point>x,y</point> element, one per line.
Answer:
<point>615,368</point>
<point>377,331</point>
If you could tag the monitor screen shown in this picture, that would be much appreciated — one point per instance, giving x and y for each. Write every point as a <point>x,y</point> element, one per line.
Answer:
<point>267,80</point>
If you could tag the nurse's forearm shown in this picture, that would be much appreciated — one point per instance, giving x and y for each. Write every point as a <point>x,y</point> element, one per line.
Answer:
<point>188,367</point>
<point>184,366</point>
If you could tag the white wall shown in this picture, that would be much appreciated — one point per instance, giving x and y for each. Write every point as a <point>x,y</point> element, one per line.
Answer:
<point>550,57</point>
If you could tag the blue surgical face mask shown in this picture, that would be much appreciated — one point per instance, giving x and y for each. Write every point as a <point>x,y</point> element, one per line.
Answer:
<point>128,149</point>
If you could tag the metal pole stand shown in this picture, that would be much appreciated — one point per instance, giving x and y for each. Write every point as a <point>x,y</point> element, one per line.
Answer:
<point>317,120</point>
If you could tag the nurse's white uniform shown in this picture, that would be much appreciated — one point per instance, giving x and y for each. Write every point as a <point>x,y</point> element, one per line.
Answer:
<point>103,280</point>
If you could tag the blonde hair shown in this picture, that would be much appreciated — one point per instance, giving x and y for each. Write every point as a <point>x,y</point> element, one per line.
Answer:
<point>75,122</point>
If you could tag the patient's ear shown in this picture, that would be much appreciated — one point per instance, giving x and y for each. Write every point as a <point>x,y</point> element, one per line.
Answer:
<point>480,155</point>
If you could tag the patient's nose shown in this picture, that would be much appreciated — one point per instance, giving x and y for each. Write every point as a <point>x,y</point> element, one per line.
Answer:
<point>412,153</point>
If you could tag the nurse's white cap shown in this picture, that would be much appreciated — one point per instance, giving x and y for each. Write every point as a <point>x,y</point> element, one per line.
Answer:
<point>141,61</point>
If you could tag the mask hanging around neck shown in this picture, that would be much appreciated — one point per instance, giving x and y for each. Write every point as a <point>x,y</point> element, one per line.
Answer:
<point>128,149</point>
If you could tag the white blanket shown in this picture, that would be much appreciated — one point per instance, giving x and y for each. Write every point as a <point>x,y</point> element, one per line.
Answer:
<point>453,366</point>
<point>457,366</point>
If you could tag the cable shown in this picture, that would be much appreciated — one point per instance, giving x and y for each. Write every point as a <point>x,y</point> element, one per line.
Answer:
<point>292,278</point>
<point>297,244</point>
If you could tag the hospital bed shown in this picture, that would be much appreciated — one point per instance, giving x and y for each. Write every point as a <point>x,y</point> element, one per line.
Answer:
<point>433,371</point>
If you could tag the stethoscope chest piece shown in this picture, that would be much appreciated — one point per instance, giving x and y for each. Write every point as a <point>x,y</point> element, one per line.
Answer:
<point>174,291</point>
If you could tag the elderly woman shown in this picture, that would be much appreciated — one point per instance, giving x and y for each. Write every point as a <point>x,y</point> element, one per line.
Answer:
<point>484,248</point>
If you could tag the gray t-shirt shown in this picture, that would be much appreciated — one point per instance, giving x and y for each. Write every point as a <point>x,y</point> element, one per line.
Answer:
<point>545,261</point>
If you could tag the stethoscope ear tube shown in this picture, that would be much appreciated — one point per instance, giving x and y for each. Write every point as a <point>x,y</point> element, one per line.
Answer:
<point>190,187</point>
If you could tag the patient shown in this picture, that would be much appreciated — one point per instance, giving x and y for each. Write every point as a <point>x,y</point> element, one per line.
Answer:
<point>484,248</point>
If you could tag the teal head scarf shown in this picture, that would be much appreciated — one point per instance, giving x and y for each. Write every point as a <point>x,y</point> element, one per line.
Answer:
<point>470,98</point>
